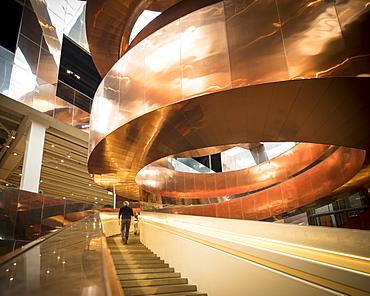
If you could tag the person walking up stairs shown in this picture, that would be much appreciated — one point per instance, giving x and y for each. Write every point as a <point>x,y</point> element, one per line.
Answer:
<point>141,272</point>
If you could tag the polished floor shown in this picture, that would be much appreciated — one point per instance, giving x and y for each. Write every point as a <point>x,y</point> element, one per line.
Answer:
<point>141,272</point>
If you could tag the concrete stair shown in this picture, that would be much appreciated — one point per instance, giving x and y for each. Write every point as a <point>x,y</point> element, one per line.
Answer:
<point>143,273</point>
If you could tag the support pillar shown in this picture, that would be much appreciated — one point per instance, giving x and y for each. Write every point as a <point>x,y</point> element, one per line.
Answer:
<point>114,197</point>
<point>32,159</point>
<point>259,154</point>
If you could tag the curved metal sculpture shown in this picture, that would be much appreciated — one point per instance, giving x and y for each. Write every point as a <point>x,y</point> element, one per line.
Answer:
<point>232,73</point>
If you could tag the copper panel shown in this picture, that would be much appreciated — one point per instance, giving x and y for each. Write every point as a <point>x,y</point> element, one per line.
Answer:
<point>289,194</point>
<point>197,211</point>
<point>320,183</point>
<point>275,200</point>
<point>178,120</point>
<point>334,173</point>
<point>209,211</point>
<point>313,40</point>
<point>305,101</point>
<point>235,207</point>
<point>261,204</point>
<point>231,183</point>
<point>353,19</point>
<point>132,87</point>
<point>248,208</point>
<point>222,210</point>
<point>105,22</point>
<point>109,25</point>
<point>160,75</point>
<point>255,43</point>
<point>212,126</point>
<point>348,109</point>
<point>255,124</point>
<point>162,5</point>
<point>281,102</point>
<point>329,103</point>
<point>236,106</point>
<point>205,64</point>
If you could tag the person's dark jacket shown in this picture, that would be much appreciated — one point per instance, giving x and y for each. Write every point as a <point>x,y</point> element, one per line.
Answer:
<point>125,212</point>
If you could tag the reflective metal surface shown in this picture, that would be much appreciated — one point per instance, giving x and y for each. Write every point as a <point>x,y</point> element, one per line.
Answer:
<point>109,25</point>
<point>171,183</point>
<point>306,190</point>
<point>234,72</point>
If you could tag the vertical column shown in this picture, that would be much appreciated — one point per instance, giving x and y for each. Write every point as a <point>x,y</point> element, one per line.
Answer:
<point>114,197</point>
<point>259,154</point>
<point>33,154</point>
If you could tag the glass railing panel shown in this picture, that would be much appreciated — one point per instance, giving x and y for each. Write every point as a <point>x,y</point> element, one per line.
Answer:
<point>69,262</point>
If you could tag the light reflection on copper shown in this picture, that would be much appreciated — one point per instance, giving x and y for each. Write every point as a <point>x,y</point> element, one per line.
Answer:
<point>164,181</point>
<point>238,81</point>
<point>318,74</point>
<point>275,201</point>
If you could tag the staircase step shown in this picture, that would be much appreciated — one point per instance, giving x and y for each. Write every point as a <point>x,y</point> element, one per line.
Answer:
<point>141,272</point>
<point>124,252</point>
<point>154,290</point>
<point>142,265</point>
<point>139,261</point>
<point>136,256</point>
<point>195,293</point>
<point>146,270</point>
<point>153,282</point>
<point>153,275</point>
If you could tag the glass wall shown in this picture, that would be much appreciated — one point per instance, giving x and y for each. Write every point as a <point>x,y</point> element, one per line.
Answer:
<point>339,212</point>
<point>29,73</point>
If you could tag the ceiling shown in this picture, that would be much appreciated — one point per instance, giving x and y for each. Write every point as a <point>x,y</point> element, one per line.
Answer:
<point>64,171</point>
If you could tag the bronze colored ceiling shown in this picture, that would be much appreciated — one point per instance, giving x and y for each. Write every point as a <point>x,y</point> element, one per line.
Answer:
<point>233,73</point>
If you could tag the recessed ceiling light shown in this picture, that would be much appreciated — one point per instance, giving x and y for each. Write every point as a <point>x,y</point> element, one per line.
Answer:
<point>15,153</point>
<point>52,145</point>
